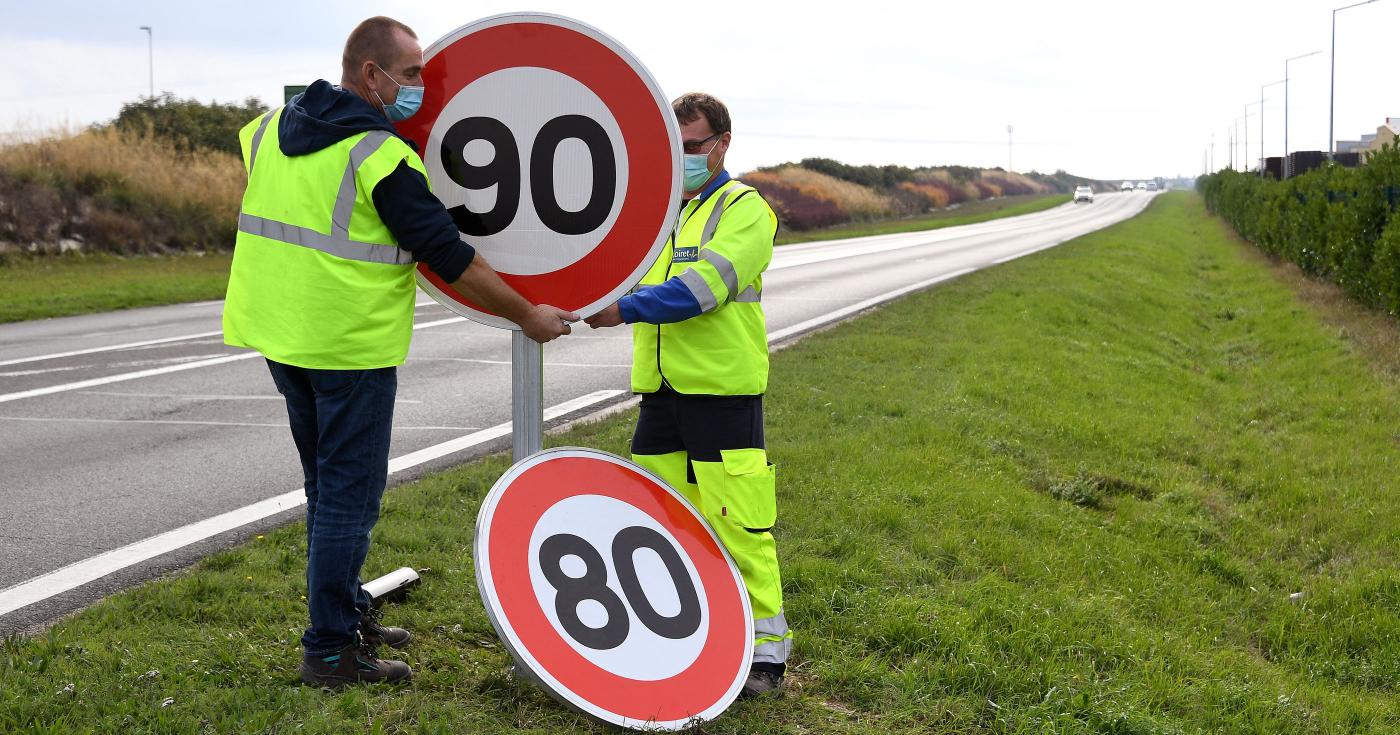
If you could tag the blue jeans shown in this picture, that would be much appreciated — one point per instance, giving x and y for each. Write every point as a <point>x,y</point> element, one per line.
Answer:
<point>341,421</point>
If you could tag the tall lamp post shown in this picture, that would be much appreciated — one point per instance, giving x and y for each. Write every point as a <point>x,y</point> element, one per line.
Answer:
<point>1332,96</point>
<point>1008,149</point>
<point>151,58</point>
<point>1286,167</point>
<point>1263,154</point>
<point>1247,114</point>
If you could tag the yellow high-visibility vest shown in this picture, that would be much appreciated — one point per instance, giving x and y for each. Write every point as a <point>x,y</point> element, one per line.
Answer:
<point>720,249</point>
<point>318,281</point>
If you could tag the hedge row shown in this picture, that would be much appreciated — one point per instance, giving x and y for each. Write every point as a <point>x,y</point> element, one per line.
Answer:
<point>1334,222</point>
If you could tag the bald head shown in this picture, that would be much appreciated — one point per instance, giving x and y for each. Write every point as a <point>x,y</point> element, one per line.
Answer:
<point>377,39</point>
<point>380,55</point>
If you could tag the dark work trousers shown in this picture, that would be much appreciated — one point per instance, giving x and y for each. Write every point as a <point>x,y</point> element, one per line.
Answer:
<point>341,421</point>
<point>700,426</point>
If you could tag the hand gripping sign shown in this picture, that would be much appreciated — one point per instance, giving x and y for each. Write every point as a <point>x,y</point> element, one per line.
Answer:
<point>556,154</point>
<point>611,591</point>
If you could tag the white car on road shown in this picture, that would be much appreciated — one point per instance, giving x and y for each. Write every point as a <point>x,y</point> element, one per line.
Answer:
<point>1083,194</point>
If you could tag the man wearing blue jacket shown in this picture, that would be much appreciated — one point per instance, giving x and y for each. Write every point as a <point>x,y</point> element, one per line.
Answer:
<point>700,363</point>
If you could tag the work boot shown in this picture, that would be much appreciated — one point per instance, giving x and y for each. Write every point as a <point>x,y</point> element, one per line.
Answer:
<point>762,683</point>
<point>375,634</point>
<point>355,664</point>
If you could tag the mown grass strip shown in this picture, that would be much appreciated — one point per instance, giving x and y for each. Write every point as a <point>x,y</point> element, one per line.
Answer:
<point>1127,485</point>
<point>42,287</point>
<point>966,214</point>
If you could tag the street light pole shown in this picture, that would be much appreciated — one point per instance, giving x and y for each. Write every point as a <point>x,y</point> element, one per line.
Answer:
<point>1263,154</point>
<point>1008,149</point>
<point>1246,128</point>
<point>151,58</point>
<point>1286,167</point>
<point>1332,96</point>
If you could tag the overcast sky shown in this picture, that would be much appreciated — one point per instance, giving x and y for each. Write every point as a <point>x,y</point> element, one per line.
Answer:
<point>1121,89</point>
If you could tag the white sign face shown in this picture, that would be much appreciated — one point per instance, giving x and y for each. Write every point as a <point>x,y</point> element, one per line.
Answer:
<point>488,180</point>
<point>555,153</point>
<point>650,628</point>
<point>611,591</point>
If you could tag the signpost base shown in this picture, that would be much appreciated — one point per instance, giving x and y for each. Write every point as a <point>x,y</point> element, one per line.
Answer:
<point>527,395</point>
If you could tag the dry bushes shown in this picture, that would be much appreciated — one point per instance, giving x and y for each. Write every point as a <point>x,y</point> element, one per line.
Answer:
<point>797,209</point>
<point>118,192</point>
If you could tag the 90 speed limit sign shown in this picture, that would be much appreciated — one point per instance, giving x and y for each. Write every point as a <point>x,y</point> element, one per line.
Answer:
<point>556,154</point>
<point>611,591</point>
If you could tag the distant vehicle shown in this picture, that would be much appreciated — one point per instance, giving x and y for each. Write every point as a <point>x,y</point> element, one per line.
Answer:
<point>1152,186</point>
<point>1083,194</point>
<point>1142,186</point>
<point>1127,186</point>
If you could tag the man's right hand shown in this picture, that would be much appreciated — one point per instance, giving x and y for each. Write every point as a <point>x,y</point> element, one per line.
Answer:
<point>543,323</point>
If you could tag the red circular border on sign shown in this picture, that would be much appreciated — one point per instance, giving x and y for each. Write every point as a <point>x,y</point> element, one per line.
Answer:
<point>626,96</point>
<point>706,680</point>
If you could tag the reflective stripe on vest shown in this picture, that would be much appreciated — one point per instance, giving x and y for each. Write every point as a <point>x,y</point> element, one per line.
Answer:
<point>338,243</point>
<point>696,283</point>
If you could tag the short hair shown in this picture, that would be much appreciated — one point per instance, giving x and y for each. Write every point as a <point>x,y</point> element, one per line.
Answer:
<point>689,108</point>
<point>372,40</point>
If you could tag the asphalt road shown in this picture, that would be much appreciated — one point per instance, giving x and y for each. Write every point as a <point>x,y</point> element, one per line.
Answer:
<point>116,428</point>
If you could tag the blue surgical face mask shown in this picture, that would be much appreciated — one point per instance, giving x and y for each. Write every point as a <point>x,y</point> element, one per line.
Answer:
<point>405,104</point>
<point>696,168</point>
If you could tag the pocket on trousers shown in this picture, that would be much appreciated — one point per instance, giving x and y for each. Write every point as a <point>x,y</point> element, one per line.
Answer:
<point>750,498</point>
<point>333,382</point>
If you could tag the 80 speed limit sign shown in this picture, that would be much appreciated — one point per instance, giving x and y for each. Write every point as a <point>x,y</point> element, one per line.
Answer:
<point>611,591</point>
<point>556,154</point>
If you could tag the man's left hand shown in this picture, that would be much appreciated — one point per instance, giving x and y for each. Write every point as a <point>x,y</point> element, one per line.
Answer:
<point>609,317</point>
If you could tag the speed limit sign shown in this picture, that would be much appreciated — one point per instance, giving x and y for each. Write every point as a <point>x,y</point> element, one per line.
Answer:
<point>611,591</point>
<point>556,154</point>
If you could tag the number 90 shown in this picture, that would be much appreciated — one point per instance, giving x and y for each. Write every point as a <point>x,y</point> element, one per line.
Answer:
<point>503,172</point>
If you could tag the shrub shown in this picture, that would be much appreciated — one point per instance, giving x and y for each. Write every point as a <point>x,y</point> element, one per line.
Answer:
<point>1333,222</point>
<point>859,202</point>
<point>118,192</point>
<point>189,124</point>
<point>932,197</point>
<point>797,210</point>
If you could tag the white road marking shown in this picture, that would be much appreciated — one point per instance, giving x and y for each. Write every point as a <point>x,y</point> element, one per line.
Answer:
<point>111,348</point>
<point>845,311</point>
<point>43,371</point>
<point>507,362</point>
<point>202,396</point>
<point>122,377</point>
<point>179,422</point>
<point>94,568</point>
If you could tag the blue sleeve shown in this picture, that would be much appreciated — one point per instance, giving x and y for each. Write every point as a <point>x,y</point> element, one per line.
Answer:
<point>668,302</point>
<point>420,223</point>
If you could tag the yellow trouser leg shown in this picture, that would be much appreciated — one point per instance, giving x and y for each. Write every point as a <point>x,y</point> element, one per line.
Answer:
<point>738,498</point>
<point>671,469</point>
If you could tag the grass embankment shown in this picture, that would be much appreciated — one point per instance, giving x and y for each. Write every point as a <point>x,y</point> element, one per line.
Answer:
<point>1074,493</point>
<point>37,288</point>
<point>966,214</point>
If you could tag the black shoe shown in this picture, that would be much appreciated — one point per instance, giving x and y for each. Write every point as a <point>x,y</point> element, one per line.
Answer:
<point>762,683</point>
<point>375,635</point>
<point>355,664</point>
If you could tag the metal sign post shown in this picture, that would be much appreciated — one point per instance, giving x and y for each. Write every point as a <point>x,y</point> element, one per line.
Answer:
<point>527,395</point>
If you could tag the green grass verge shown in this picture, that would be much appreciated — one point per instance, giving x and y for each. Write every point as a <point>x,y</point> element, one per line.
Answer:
<point>37,288</point>
<point>969,213</point>
<point>1070,494</point>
